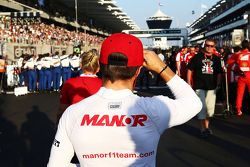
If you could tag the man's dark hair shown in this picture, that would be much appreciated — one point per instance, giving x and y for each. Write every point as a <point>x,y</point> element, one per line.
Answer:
<point>236,49</point>
<point>117,69</point>
<point>245,44</point>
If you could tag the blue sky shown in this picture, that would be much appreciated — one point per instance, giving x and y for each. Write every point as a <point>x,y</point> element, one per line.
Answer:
<point>179,10</point>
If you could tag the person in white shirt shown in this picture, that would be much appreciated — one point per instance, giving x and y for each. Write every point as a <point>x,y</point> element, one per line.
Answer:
<point>160,55</point>
<point>40,72</point>
<point>56,71</point>
<point>75,65</point>
<point>115,127</point>
<point>31,72</point>
<point>65,63</point>
<point>21,71</point>
<point>47,71</point>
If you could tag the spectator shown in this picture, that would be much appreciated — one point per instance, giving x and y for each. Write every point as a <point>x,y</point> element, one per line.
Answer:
<point>204,70</point>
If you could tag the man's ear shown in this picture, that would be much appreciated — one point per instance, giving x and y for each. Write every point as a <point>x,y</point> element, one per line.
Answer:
<point>135,76</point>
<point>138,71</point>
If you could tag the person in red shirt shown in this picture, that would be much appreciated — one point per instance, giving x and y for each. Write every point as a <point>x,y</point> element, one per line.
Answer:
<point>3,78</point>
<point>197,49</point>
<point>243,61</point>
<point>189,55</point>
<point>2,72</point>
<point>187,58</point>
<point>79,88</point>
<point>232,76</point>
<point>216,53</point>
<point>180,63</point>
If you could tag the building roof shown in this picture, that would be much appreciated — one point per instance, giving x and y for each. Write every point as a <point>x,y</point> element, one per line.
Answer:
<point>104,12</point>
<point>159,15</point>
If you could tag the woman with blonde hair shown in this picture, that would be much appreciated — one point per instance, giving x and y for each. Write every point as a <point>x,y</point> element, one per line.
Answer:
<point>79,88</point>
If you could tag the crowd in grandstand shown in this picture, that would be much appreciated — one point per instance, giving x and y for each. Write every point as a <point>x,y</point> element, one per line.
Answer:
<point>42,33</point>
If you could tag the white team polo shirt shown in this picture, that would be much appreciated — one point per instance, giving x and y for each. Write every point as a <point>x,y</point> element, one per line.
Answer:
<point>119,128</point>
<point>64,60</point>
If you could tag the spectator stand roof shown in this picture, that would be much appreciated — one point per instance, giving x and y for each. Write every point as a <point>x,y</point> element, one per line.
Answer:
<point>103,12</point>
<point>104,15</point>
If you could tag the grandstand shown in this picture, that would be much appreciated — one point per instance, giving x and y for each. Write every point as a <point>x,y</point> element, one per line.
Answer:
<point>220,22</point>
<point>43,26</point>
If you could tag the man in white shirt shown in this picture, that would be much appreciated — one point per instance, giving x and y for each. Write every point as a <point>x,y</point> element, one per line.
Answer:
<point>30,66</point>
<point>56,71</point>
<point>21,70</point>
<point>40,72</point>
<point>46,67</point>
<point>65,62</point>
<point>115,127</point>
<point>159,53</point>
<point>75,65</point>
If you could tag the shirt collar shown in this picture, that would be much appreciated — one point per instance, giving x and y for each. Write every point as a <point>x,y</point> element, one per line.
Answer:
<point>88,75</point>
<point>114,94</point>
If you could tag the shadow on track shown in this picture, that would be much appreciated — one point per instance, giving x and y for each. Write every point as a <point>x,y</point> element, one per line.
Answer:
<point>38,133</point>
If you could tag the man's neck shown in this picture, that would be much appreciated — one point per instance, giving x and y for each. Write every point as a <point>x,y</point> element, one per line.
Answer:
<point>208,54</point>
<point>88,72</point>
<point>119,85</point>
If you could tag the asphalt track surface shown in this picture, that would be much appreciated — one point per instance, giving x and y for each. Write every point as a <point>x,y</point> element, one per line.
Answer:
<point>27,128</point>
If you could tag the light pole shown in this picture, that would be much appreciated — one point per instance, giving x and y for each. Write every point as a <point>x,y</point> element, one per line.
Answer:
<point>248,25</point>
<point>76,16</point>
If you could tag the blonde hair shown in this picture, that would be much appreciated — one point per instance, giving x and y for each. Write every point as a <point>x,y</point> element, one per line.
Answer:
<point>90,62</point>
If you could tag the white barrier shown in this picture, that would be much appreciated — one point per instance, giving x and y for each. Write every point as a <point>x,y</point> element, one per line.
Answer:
<point>21,90</point>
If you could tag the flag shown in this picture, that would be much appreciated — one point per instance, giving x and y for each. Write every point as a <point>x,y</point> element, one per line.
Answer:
<point>40,2</point>
<point>204,6</point>
<point>160,4</point>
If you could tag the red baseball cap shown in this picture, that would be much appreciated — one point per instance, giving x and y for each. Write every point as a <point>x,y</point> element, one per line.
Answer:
<point>126,44</point>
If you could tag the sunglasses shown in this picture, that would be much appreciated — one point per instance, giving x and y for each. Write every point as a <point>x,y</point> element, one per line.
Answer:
<point>211,46</point>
